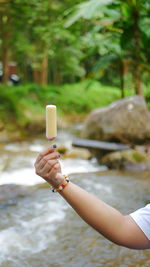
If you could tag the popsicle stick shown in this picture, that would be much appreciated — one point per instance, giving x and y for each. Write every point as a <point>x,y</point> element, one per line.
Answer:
<point>51,141</point>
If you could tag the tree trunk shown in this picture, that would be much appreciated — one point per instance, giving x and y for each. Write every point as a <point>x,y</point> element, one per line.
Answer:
<point>36,76</point>
<point>57,76</point>
<point>124,68</point>
<point>25,72</point>
<point>44,70</point>
<point>5,50</point>
<point>122,78</point>
<point>137,52</point>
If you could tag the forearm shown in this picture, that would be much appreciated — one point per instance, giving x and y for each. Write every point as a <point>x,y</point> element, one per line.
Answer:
<point>102,217</point>
<point>105,219</point>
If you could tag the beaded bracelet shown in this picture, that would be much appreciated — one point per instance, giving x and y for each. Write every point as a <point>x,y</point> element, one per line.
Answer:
<point>62,186</point>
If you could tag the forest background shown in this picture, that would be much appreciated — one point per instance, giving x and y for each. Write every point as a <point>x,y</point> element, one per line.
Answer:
<point>78,55</point>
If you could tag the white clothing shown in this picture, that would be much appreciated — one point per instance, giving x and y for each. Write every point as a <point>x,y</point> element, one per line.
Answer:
<point>142,218</point>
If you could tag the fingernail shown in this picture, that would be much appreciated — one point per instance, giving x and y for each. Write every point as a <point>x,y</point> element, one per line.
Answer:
<point>54,146</point>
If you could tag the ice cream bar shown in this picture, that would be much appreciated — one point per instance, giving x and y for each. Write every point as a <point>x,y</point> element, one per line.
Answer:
<point>51,122</point>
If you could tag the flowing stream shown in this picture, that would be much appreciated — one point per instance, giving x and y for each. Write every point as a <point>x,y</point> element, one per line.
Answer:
<point>38,228</point>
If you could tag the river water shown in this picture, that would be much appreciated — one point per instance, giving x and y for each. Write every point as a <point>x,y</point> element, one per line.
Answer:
<point>38,228</point>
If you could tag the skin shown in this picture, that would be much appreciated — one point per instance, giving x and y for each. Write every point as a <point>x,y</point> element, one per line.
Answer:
<point>118,228</point>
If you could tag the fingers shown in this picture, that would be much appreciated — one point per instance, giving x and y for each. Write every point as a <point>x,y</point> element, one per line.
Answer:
<point>47,154</point>
<point>44,153</point>
<point>53,155</point>
<point>48,167</point>
<point>47,158</point>
<point>55,168</point>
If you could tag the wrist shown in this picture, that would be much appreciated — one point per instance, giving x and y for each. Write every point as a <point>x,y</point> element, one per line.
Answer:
<point>61,186</point>
<point>58,180</point>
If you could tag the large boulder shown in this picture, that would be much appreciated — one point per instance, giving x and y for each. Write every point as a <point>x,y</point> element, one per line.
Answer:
<point>126,120</point>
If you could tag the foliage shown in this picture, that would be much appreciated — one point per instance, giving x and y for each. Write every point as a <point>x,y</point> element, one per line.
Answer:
<point>125,20</point>
<point>64,41</point>
<point>22,103</point>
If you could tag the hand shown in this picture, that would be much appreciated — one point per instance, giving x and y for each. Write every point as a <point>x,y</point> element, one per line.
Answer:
<point>48,167</point>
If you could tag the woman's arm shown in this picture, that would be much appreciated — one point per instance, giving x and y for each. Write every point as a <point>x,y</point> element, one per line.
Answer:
<point>118,228</point>
<point>109,222</point>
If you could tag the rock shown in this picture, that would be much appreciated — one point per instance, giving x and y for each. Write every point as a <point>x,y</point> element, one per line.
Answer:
<point>127,159</point>
<point>62,150</point>
<point>78,153</point>
<point>74,152</point>
<point>126,121</point>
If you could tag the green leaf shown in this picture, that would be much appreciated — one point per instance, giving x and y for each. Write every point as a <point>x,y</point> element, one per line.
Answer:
<point>88,9</point>
<point>145,26</point>
<point>104,62</point>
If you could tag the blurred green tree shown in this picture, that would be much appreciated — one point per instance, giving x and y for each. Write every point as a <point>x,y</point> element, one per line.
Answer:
<point>39,40</point>
<point>120,25</point>
<point>49,47</point>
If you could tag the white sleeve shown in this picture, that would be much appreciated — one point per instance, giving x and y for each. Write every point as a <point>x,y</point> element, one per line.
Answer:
<point>142,218</point>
